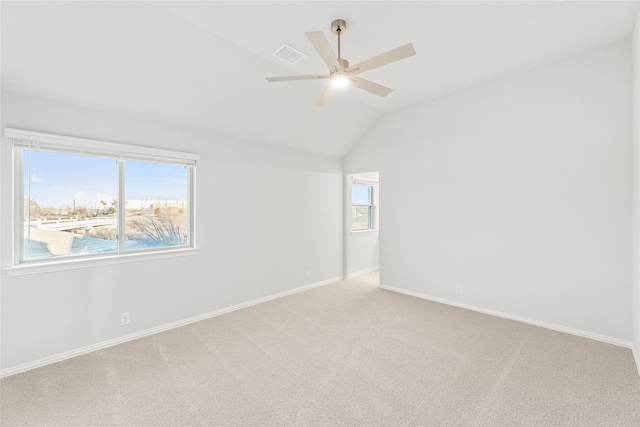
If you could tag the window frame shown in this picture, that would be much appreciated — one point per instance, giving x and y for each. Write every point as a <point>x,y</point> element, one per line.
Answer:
<point>120,153</point>
<point>372,206</point>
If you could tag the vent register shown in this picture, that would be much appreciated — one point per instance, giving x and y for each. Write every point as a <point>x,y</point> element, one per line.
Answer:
<point>289,54</point>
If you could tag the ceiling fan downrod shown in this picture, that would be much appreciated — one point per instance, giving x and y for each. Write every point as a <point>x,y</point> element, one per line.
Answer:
<point>338,27</point>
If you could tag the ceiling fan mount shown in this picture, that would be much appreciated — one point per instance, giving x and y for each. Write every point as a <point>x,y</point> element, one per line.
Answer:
<point>340,73</point>
<point>338,26</point>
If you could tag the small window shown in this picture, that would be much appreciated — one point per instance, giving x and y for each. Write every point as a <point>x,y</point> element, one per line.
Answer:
<point>362,207</point>
<point>78,199</point>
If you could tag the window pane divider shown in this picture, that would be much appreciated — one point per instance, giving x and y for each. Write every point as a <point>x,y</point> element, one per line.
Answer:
<point>121,207</point>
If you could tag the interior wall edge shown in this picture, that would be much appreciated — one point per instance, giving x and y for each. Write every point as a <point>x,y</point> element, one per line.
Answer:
<point>635,192</point>
<point>534,322</point>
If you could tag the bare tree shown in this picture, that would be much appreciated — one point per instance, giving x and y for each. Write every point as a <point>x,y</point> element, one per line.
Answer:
<point>31,205</point>
<point>82,212</point>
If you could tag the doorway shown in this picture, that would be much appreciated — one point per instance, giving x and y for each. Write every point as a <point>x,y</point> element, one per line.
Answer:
<point>362,227</point>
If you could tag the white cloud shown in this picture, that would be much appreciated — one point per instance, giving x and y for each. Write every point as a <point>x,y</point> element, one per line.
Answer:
<point>80,195</point>
<point>35,177</point>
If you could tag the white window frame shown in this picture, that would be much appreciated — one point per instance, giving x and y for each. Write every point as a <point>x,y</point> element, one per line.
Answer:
<point>372,205</point>
<point>23,139</point>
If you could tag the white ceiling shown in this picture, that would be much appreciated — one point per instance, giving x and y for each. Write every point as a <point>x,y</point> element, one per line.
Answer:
<point>203,64</point>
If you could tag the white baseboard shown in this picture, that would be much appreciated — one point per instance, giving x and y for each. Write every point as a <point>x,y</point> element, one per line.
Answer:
<point>365,271</point>
<point>559,328</point>
<point>115,341</point>
<point>636,357</point>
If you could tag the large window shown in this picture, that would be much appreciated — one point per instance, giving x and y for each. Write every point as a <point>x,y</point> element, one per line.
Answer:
<point>362,207</point>
<point>80,199</point>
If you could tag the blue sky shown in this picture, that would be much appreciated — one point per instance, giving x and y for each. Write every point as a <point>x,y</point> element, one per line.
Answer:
<point>59,179</point>
<point>360,194</point>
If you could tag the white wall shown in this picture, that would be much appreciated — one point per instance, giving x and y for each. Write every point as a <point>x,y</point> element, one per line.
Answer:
<point>518,191</point>
<point>635,212</point>
<point>265,216</point>
<point>363,248</point>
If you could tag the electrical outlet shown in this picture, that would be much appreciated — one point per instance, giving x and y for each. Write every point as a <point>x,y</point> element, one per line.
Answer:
<point>459,290</point>
<point>307,275</point>
<point>125,318</point>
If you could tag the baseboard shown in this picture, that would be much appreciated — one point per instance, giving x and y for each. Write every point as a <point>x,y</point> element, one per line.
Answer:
<point>636,357</point>
<point>559,328</point>
<point>115,341</point>
<point>365,271</point>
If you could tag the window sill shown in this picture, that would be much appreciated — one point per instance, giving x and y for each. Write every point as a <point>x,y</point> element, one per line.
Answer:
<point>361,232</point>
<point>47,267</point>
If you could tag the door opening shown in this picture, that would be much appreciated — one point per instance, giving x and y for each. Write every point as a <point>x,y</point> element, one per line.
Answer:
<point>362,227</point>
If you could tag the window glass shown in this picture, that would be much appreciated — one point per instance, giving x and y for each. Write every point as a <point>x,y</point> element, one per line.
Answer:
<point>361,218</point>
<point>362,207</point>
<point>156,205</point>
<point>70,205</point>
<point>361,194</point>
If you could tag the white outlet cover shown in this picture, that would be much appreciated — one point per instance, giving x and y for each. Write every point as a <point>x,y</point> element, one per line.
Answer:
<point>125,318</point>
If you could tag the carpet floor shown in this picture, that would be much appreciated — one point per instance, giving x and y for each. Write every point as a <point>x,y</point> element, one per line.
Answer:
<point>347,353</point>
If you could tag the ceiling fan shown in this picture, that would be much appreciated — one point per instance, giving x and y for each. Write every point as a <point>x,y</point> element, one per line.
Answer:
<point>340,73</point>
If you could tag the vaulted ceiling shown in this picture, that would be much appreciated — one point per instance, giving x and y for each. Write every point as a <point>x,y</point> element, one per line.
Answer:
<point>203,64</point>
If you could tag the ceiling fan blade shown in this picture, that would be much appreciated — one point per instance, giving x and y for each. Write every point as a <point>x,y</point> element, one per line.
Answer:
<point>370,86</point>
<point>383,59</point>
<point>324,97</point>
<point>289,78</point>
<point>320,42</point>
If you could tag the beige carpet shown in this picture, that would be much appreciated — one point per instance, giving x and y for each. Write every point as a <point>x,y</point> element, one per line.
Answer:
<point>372,277</point>
<point>347,353</point>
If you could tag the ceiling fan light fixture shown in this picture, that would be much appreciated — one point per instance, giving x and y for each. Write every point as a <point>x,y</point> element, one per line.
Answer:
<point>339,80</point>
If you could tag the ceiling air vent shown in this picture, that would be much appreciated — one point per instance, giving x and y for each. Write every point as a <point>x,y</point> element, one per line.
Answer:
<point>288,54</point>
